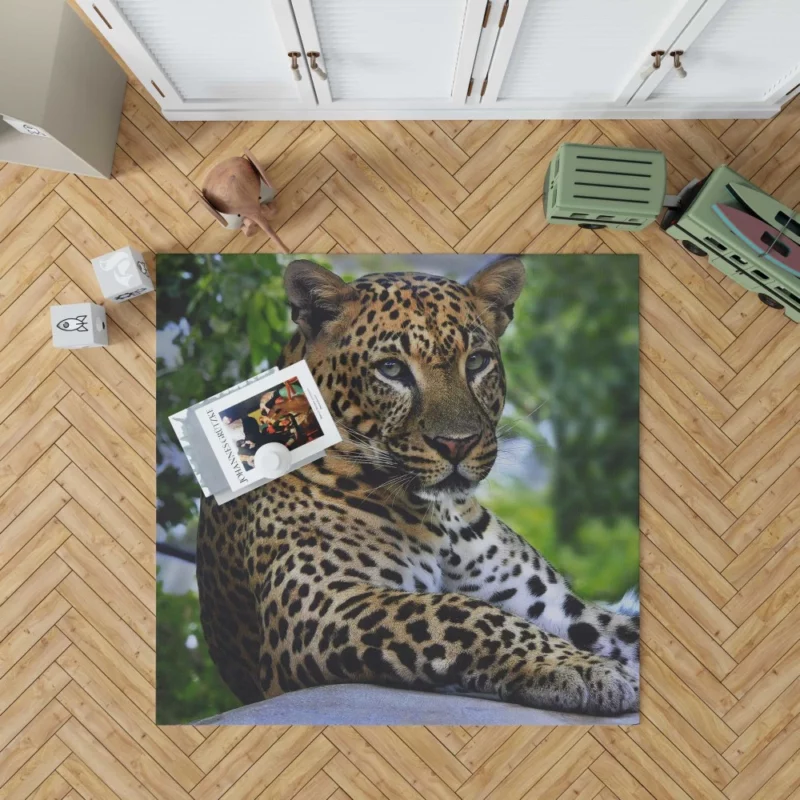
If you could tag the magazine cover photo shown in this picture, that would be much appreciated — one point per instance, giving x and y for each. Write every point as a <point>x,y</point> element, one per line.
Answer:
<point>281,414</point>
<point>468,524</point>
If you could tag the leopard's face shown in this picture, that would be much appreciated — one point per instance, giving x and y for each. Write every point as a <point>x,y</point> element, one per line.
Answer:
<point>411,369</point>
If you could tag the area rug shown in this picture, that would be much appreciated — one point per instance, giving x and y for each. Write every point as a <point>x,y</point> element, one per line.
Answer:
<point>473,537</point>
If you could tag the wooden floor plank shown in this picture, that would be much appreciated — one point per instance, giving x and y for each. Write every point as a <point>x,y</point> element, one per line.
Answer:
<point>240,753</point>
<point>691,706</point>
<point>123,638</point>
<point>160,132</point>
<point>31,266</point>
<point>437,143</point>
<point>25,562</point>
<point>32,592</point>
<point>209,135</point>
<point>765,619</point>
<point>353,205</point>
<point>680,733</point>
<point>30,629</point>
<point>12,176</point>
<point>33,664</point>
<point>109,443</point>
<point>107,770</point>
<point>426,168</point>
<point>45,720</point>
<point>683,555</point>
<point>144,153</point>
<point>761,586</point>
<point>108,478</point>
<point>37,769</point>
<point>384,198</point>
<point>31,231</point>
<point>99,542</point>
<point>685,413</point>
<point>413,191</point>
<point>31,484</point>
<point>152,197</point>
<point>25,199</point>
<point>283,168</point>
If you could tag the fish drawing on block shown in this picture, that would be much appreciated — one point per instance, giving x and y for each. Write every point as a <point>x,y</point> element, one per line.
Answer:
<point>764,239</point>
<point>77,324</point>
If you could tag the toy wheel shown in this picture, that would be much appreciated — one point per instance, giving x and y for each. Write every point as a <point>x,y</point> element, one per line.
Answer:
<point>693,248</point>
<point>592,226</point>
<point>769,301</point>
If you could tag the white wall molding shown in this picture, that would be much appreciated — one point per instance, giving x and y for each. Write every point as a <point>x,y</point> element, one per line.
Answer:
<point>650,111</point>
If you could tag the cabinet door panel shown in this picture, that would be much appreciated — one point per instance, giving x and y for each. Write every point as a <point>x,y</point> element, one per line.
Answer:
<point>578,51</point>
<point>749,51</point>
<point>390,52</point>
<point>208,54</point>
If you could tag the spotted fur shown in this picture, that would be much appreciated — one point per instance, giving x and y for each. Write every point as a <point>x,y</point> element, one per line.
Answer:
<point>376,563</point>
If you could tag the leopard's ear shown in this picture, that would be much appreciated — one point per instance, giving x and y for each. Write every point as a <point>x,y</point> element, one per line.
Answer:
<point>316,296</point>
<point>497,287</point>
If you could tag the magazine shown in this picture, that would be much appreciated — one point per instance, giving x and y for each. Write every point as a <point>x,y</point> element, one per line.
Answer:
<point>222,435</point>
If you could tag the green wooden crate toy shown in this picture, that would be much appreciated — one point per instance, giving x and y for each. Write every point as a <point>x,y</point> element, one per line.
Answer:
<point>605,187</point>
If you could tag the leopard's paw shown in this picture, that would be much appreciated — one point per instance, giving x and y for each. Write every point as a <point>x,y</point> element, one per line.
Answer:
<point>598,686</point>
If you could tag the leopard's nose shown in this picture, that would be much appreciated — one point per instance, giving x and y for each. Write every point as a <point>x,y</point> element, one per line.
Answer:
<point>453,449</point>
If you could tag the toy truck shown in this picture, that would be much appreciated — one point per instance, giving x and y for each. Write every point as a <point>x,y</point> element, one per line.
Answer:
<point>701,230</point>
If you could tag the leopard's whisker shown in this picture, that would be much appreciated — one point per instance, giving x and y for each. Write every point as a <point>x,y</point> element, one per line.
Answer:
<point>504,429</point>
<point>390,482</point>
<point>394,493</point>
<point>374,453</point>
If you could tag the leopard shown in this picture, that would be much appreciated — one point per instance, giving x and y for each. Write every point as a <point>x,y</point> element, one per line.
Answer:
<point>376,563</point>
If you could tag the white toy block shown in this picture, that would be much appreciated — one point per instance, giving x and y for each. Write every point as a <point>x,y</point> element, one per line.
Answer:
<point>79,325</point>
<point>122,274</point>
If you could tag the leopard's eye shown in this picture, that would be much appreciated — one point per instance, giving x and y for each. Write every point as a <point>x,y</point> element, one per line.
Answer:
<point>394,369</point>
<point>477,361</point>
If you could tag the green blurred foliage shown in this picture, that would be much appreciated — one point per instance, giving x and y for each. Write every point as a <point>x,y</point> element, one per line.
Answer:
<point>574,349</point>
<point>188,686</point>
<point>571,359</point>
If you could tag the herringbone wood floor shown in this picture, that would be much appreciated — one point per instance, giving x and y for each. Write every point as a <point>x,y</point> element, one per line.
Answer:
<point>720,509</point>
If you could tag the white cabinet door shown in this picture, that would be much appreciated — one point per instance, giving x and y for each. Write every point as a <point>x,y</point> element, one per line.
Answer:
<point>390,54</point>
<point>206,54</point>
<point>556,54</point>
<point>737,51</point>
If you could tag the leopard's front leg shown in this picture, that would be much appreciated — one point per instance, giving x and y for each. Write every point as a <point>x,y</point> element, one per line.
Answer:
<point>350,632</point>
<point>499,566</point>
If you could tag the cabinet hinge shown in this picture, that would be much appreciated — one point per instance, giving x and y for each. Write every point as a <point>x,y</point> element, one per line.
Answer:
<point>486,13</point>
<point>485,84</point>
<point>503,15</point>
<point>469,88</point>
